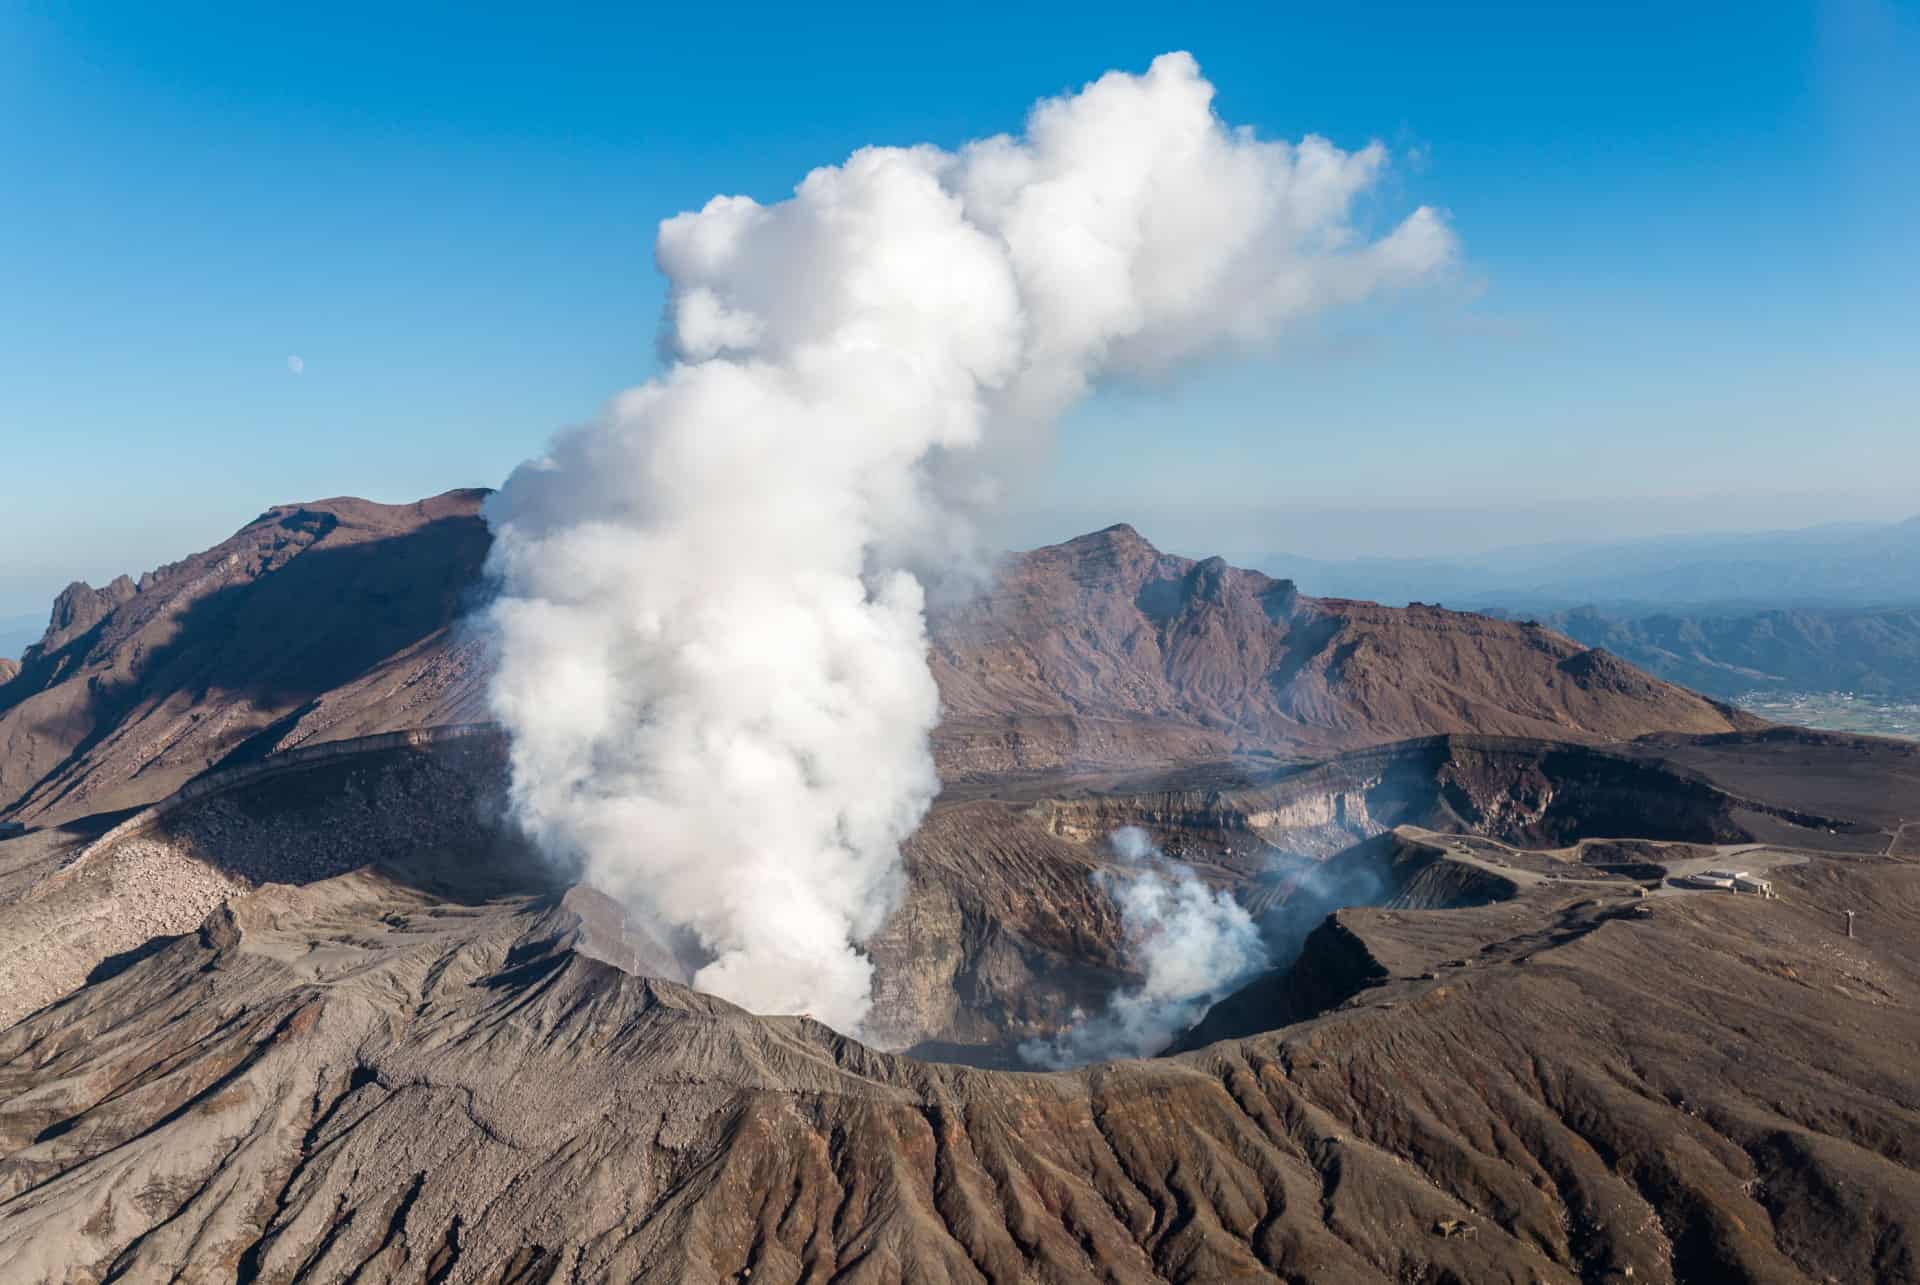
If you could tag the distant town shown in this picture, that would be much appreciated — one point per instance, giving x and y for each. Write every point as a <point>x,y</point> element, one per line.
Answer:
<point>1837,712</point>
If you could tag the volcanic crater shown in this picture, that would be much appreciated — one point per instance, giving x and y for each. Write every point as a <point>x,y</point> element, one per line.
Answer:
<point>289,1001</point>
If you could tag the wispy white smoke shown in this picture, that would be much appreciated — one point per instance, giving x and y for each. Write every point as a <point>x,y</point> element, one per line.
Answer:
<point>1191,944</point>
<point>710,628</point>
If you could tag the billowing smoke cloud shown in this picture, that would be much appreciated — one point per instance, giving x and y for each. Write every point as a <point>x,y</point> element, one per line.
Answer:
<point>711,647</point>
<point>1190,943</point>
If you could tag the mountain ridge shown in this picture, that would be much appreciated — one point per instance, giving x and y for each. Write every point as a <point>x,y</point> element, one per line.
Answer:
<point>323,1014</point>
<point>341,617</point>
<point>1108,627</point>
<point>330,617</point>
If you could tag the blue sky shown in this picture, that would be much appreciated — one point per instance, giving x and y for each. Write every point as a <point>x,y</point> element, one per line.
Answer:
<point>1689,297</point>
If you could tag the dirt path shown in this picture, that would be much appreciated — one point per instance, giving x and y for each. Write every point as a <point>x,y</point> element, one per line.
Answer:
<point>1753,858</point>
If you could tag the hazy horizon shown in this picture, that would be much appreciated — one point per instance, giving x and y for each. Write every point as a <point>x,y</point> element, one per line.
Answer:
<point>1384,527</point>
<point>371,267</point>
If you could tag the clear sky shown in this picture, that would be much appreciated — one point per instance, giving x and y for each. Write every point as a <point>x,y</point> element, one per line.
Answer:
<point>1688,300</point>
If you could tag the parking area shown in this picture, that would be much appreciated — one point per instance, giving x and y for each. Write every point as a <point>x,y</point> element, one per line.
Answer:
<point>1749,859</point>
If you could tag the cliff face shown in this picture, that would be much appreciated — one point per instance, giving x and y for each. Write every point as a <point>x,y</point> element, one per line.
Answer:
<point>1003,932</point>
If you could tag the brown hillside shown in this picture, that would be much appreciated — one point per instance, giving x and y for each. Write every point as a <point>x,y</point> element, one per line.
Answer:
<point>318,1019</point>
<point>314,621</point>
<point>337,618</point>
<point>1107,632</point>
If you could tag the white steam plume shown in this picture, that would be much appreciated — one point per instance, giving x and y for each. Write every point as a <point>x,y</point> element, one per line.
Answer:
<point>1190,943</point>
<point>710,630</point>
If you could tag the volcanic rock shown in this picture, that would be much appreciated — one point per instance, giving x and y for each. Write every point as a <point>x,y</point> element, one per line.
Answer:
<point>286,1000</point>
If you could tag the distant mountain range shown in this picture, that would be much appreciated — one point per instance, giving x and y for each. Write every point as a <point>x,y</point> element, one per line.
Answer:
<point>1836,565</point>
<point>1827,608</point>
<point>1869,651</point>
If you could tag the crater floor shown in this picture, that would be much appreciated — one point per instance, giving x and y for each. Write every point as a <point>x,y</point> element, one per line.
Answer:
<point>444,1064</point>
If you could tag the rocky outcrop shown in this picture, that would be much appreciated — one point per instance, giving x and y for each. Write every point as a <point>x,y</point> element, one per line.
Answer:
<point>1333,966</point>
<point>78,608</point>
<point>1538,793</point>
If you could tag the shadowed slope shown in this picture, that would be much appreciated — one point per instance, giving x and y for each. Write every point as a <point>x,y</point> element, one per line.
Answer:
<point>315,621</point>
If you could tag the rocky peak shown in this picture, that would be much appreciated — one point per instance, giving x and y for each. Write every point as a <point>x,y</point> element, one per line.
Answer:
<point>80,607</point>
<point>1120,533</point>
<point>1106,627</point>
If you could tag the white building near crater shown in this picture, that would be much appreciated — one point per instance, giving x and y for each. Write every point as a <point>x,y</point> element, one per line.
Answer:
<point>1727,881</point>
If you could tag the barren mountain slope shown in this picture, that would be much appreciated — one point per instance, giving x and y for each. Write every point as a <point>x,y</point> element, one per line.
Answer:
<point>314,621</point>
<point>1003,932</point>
<point>1105,632</point>
<point>338,618</point>
<point>418,1057</point>
<point>424,1074</point>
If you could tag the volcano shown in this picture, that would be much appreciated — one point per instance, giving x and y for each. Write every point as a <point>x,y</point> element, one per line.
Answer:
<point>287,1000</point>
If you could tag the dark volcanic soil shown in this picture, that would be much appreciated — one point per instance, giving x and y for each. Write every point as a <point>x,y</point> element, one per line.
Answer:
<point>391,1076</point>
<point>428,1069</point>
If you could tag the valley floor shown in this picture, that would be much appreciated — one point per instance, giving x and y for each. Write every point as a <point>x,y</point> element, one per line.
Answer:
<point>1838,712</point>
